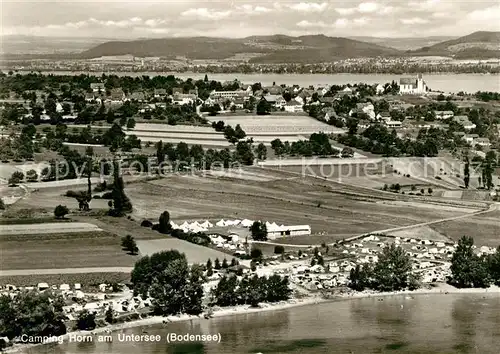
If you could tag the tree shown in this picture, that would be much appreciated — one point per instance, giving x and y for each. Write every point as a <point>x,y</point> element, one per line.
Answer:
<point>32,314</point>
<point>164,223</point>
<point>279,249</point>
<point>177,289</point>
<point>244,152</point>
<point>429,190</point>
<point>494,267</point>
<point>60,211</point>
<point>392,271</point>
<point>225,265</point>
<point>121,203</point>
<point>131,123</point>
<point>466,174</point>
<point>352,126</point>
<point>261,151</point>
<point>147,269</point>
<point>230,134</point>
<point>239,132</point>
<point>31,176</point>
<point>217,264</point>
<point>209,267</point>
<point>468,269</point>
<point>347,152</point>
<point>109,315</point>
<point>263,107</point>
<point>129,245</point>
<point>256,254</point>
<point>86,321</point>
<point>487,172</point>
<point>16,178</point>
<point>259,231</point>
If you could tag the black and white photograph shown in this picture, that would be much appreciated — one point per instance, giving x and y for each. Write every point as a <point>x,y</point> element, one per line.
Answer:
<point>250,177</point>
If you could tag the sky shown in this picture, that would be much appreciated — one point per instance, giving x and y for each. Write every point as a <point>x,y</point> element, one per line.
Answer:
<point>241,18</point>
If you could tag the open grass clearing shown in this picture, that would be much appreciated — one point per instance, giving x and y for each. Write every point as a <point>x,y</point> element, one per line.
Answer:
<point>194,253</point>
<point>65,250</point>
<point>484,228</point>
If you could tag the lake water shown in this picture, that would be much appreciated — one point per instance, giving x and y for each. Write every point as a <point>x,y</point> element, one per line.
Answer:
<point>423,324</point>
<point>438,82</point>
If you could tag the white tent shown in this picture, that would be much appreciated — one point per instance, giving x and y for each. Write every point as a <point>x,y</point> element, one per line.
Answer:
<point>206,224</point>
<point>221,223</point>
<point>246,223</point>
<point>174,225</point>
<point>236,222</point>
<point>184,225</point>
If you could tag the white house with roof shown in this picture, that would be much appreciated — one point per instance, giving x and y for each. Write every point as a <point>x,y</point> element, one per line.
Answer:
<point>379,89</point>
<point>276,231</point>
<point>276,100</point>
<point>293,106</point>
<point>97,87</point>
<point>444,114</point>
<point>464,121</point>
<point>412,86</point>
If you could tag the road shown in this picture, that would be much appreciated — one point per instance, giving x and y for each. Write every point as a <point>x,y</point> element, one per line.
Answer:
<point>6,273</point>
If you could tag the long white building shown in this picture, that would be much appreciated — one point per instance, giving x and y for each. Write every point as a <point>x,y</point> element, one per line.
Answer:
<point>275,231</point>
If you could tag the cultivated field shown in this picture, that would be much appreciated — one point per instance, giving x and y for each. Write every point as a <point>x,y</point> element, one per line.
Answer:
<point>62,250</point>
<point>279,125</point>
<point>205,136</point>
<point>47,228</point>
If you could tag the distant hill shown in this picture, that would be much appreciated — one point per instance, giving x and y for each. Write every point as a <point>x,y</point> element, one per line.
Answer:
<point>478,45</point>
<point>271,49</point>
<point>404,43</point>
<point>18,44</point>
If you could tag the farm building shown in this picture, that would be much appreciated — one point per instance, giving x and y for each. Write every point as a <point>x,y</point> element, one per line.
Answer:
<point>274,231</point>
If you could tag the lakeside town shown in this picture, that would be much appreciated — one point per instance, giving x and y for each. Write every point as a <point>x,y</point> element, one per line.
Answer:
<point>247,229</point>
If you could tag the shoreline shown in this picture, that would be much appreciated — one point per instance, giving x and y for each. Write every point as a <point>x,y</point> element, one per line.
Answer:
<point>441,289</point>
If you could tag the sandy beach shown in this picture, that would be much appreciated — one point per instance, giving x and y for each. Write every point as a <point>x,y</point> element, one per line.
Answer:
<point>244,309</point>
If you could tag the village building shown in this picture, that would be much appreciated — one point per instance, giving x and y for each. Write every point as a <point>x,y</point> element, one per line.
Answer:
<point>444,114</point>
<point>411,86</point>
<point>393,124</point>
<point>228,94</point>
<point>379,89</point>
<point>183,98</point>
<point>275,231</point>
<point>159,93</point>
<point>116,96</point>
<point>464,121</point>
<point>483,142</point>
<point>275,100</point>
<point>293,106</point>
<point>364,108</point>
<point>97,87</point>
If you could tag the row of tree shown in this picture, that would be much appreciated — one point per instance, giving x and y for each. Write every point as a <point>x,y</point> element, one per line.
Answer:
<point>318,144</point>
<point>232,290</point>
